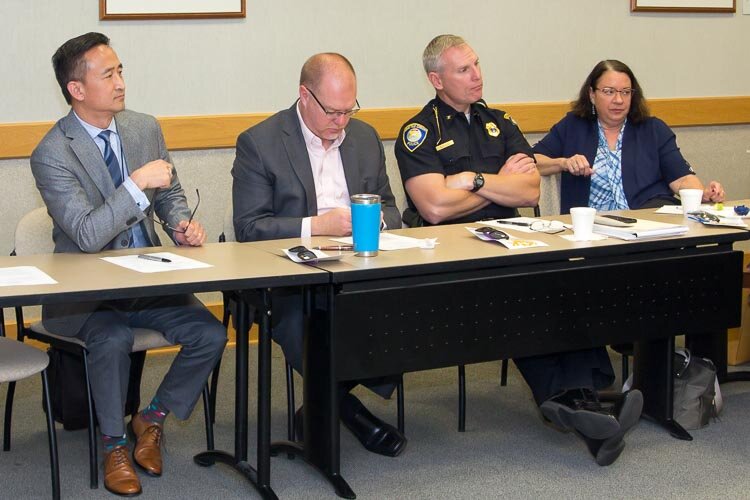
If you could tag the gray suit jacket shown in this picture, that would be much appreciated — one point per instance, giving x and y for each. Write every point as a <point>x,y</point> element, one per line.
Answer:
<point>89,214</point>
<point>273,188</point>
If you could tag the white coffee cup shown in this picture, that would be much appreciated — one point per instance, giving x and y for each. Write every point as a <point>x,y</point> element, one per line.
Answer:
<point>583,222</point>
<point>691,199</point>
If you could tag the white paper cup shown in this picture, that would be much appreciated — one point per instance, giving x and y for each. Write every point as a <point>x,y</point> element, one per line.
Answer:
<point>691,199</point>
<point>583,222</point>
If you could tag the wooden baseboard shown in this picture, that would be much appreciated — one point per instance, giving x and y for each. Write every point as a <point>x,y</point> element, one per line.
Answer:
<point>17,140</point>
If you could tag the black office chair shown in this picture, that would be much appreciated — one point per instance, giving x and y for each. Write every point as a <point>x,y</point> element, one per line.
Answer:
<point>19,361</point>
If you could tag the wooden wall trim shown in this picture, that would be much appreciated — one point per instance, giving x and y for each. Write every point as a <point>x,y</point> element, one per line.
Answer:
<point>17,140</point>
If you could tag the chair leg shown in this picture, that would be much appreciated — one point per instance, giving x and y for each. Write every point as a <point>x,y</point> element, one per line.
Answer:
<point>400,403</point>
<point>52,436</point>
<point>461,398</point>
<point>207,414</point>
<point>212,392</point>
<point>504,373</point>
<point>8,415</point>
<point>290,406</point>
<point>625,367</point>
<point>93,460</point>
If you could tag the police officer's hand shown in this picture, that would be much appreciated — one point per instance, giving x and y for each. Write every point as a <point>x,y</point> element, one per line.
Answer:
<point>462,180</point>
<point>519,163</point>
<point>336,222</point>
<point>577,165</point>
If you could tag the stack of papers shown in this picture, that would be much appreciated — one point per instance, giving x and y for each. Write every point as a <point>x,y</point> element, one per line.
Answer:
<point>642,229</point>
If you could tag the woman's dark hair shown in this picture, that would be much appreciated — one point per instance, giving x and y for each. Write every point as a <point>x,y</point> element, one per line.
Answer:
<point>69,61</point>
<point>584,108</point>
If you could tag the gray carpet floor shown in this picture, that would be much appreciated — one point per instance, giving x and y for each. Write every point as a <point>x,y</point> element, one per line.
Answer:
<point>506,451</point>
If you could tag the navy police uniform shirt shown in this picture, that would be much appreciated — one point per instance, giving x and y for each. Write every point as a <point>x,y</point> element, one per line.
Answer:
<point>441,140</point>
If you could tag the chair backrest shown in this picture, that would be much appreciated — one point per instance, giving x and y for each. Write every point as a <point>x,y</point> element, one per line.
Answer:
<point>34,233</point>
<point>549,199</point>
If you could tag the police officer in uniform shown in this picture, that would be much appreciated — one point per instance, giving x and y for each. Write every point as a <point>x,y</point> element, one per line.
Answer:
<point>462,161</point>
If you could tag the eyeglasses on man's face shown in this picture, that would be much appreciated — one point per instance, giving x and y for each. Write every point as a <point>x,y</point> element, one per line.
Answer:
<point>175,229</point>
<point>493,233</point>
<point>335,114</point>
<point>303,253</point>
<point>610,92</point>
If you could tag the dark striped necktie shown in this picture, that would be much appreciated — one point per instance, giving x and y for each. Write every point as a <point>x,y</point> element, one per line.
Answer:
<point>111,159</point>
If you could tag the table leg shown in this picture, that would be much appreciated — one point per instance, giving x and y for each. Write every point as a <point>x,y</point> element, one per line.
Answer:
<point>260,479</point>
<point>321,448</point>
<point>653,376</point>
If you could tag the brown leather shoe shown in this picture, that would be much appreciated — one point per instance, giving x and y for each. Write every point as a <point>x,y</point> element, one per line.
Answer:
<point>119,476</point>
<point>147,451</point>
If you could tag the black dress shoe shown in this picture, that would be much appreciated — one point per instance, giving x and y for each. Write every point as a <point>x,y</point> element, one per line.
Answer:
<point>628,407</point>
<point>580,410</point>
<point>374,434</point>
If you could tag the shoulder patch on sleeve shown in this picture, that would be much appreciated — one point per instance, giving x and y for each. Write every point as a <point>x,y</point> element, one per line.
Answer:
<point>414,135</point>
<point>510,119</point>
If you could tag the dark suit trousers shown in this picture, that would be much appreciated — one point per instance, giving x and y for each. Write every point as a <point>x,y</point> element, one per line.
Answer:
<point>108,334</point>
<point>551,374</point>
<point>288,332</point>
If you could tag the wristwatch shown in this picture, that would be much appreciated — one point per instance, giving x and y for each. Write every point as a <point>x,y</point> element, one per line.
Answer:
<point>478,182</point>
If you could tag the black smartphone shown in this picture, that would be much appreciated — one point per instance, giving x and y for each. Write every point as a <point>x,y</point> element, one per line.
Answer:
<point>614,220</point>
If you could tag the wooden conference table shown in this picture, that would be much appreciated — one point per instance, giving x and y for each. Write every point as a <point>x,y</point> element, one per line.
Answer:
<point>469,301</point>
<point>83,277</point>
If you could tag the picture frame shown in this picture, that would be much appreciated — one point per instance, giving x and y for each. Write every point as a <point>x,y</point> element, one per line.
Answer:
<point>705,6</point>
<point>137,10</point>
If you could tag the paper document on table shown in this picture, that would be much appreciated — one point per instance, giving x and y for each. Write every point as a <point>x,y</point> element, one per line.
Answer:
<point>389,241</point>
<point>141,265</point>
<point>642,229</point>
<point>24,275</point>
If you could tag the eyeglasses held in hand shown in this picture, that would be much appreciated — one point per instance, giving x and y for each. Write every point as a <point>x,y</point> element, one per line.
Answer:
<point>491,232</point>
<point>175,229</point>
<point>303,253</point>
<point>547,226</point>
<point>335,114</point>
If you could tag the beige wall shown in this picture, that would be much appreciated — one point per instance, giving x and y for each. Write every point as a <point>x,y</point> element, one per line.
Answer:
<point>531,50</point>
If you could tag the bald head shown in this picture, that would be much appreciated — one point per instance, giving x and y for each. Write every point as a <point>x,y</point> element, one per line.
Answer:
<point>323,65</point>
<point>327,95</point>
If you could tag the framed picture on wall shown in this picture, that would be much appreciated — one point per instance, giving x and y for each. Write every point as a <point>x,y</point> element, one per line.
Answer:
<point>720,6</point>
<point>119,10</point>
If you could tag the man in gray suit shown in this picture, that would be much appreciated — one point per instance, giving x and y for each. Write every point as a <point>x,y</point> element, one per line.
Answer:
<point>293,176</point>
<point>103,173</point>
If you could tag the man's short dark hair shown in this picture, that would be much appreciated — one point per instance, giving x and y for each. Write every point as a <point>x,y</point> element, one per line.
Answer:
<point>69,61</point>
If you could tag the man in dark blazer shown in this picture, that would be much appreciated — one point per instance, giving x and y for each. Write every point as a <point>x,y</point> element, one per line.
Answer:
<point>104,173</point>
<point>293,176</point>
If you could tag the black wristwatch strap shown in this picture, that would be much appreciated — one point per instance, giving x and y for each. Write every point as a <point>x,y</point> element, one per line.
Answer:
<point>478,182</point>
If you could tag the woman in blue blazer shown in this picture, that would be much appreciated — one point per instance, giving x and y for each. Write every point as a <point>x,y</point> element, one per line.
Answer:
<point>612,154</point>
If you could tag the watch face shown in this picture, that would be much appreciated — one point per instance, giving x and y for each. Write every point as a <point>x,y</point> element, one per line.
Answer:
<point>478,182</point>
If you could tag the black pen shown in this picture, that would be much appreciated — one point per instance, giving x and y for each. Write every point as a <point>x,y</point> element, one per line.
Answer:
<point>153,257</point>
<point>513,222</point>
<point>340,248</point>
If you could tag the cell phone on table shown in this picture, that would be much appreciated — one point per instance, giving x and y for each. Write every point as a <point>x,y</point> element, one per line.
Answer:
<point>614,220</point>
